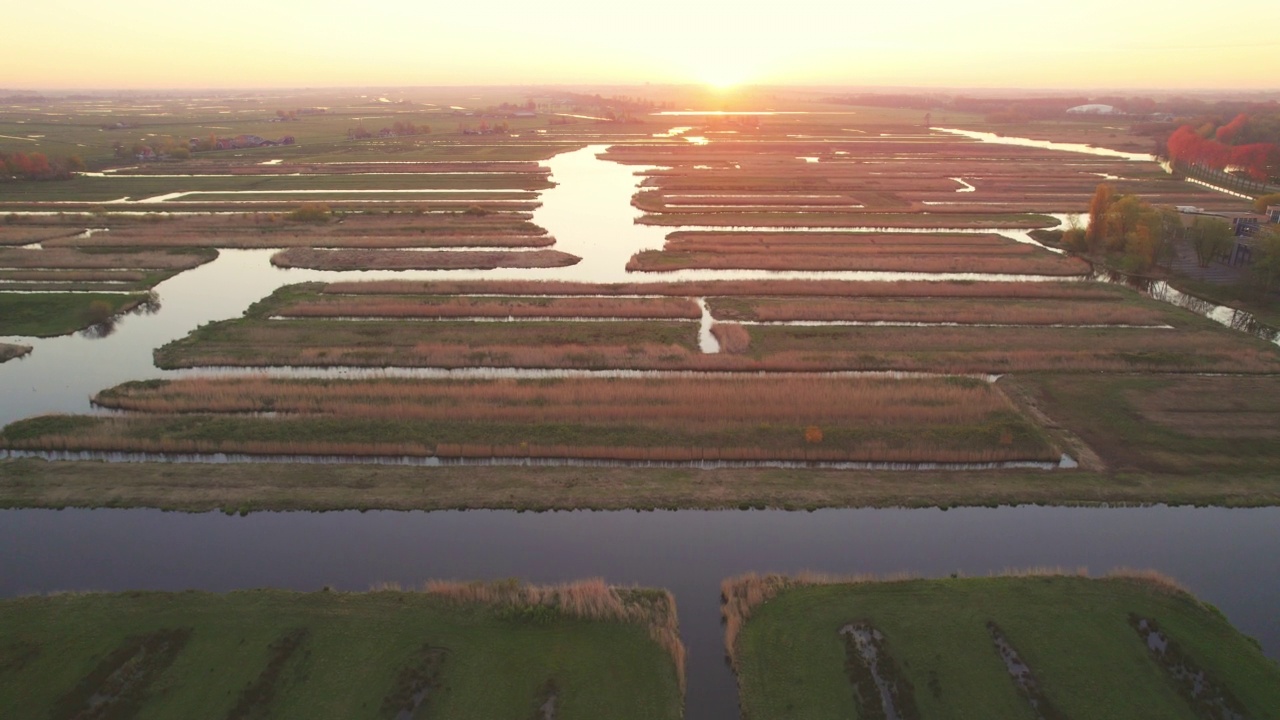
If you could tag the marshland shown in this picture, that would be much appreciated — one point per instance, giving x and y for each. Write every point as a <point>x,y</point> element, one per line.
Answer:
<point>842,309</point>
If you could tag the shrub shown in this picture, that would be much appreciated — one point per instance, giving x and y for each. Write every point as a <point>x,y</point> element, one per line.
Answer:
<point>311,213</point>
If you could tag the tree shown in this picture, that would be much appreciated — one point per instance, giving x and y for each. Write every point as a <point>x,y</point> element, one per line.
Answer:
<point>1260,204</point>
<point>1102,199</point>
<point>1265,269</point>
<point>1210,237</point>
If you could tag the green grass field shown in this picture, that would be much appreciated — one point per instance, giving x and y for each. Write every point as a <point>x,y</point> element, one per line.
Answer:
<point>1074,634</point>
<point>50,314</point>
<point>276,654</point>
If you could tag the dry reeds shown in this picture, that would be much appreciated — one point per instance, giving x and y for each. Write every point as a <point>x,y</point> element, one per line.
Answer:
<point>734,339</point>
<point>1014,262</point>
<point>591,599</point>
<point>741,595</point>
<point>508,306</point>
<point>74,259</point>
<point>931,310</point>
<point>419,260</point>
<point>796,288</point>
<point>675,402</point>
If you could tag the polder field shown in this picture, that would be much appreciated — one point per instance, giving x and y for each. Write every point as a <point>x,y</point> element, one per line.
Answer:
<point>622,334</point>
<point>451,650</point>
<point>1039,645</point>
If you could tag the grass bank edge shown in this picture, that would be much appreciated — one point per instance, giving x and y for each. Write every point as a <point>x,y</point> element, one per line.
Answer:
<point>231,488</point>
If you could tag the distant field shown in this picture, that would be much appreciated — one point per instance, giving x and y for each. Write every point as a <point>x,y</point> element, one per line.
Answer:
<point>1007,311</point>
<point>1196,346</point>
<point>967,253</point>
<point>456,651</point>
<point>937,649</point>
<point>348,259</point>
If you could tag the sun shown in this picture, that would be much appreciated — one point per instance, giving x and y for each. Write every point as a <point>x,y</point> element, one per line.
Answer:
<point>721,72</point>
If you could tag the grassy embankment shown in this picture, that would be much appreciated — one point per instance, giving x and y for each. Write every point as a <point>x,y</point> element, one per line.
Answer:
<point>749,418</point>
<point>51,314</point>
<point>938,646</point>
<point>451,650</point>
<point>285,486</point>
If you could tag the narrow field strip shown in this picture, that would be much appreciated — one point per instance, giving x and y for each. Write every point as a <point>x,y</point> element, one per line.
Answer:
<point>951,421</point>
<point>373,306</point>
<point>317,259</point>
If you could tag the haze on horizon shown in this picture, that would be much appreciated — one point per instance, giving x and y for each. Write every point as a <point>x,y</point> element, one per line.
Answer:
<point>1093,44</point>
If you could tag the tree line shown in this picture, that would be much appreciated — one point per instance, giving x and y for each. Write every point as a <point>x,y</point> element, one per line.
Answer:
<point>38,166</point>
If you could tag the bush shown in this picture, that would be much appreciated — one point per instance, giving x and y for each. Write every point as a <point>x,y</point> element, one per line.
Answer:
<point>310,213</point>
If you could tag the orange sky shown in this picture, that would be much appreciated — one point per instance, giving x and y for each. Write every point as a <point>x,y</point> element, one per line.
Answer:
<point>291,43</point>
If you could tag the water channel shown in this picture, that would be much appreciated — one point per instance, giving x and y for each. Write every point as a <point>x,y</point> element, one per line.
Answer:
<point>1227,557</point>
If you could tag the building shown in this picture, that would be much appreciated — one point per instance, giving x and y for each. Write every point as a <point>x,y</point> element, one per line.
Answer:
<point>1094,109</point>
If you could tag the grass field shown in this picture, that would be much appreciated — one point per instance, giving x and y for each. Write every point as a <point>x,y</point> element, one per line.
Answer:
<point>937,648</point>
<point>1175,424</point>
<point>51,314</point>
<point>461,651</point>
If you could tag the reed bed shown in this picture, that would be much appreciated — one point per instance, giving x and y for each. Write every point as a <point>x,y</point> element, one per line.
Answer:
<point>306,239</point>
<point>75,259</point>
<point>591,599</point>
<point>734,339</point>
<point>19,235</point>
<point>1014,262</point>
<point>219,167</point>
<point>704,239</point>
<point>797,288</point>
<point>851,220</point>
<point>931,310</point>
<point>743,419</point>
<point>1009,349</point>
<point>680,401</point>
<point>670,345</point>
<point>72,275</point>
<point>271,230</point>
<point>508,306</point>
<point>419,260</point>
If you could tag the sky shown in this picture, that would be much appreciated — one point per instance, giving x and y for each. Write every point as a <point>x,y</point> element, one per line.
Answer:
<point>1088,44</point>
